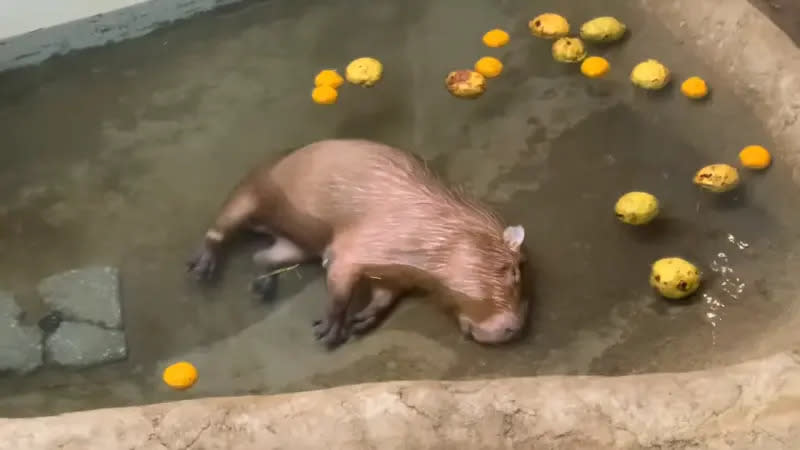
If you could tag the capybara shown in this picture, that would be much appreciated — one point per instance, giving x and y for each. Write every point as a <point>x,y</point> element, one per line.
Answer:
<point>377,215</point>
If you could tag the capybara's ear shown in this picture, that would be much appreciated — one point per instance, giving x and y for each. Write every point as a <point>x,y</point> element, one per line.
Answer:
<point>514,235</point>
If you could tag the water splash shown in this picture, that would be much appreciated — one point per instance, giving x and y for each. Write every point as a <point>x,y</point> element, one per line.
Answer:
<point>713,311</point>
<point>730,284</point>
<point>740,244</point>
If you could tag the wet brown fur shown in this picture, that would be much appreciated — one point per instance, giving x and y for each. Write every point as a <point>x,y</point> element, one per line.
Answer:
<point>384,212</point>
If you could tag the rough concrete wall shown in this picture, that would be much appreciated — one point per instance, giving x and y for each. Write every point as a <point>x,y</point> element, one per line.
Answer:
<point>752,406</point>
<point>51,39</point>
<point>23,17</point>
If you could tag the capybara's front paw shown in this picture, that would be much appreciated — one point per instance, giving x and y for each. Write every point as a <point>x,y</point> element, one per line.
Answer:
<point>363,321</point>
<point>202,265</point>
<point>331,331</point>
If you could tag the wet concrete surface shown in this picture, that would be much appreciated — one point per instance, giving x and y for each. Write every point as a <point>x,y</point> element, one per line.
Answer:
<point>784,13</point>
<point>121,156</point>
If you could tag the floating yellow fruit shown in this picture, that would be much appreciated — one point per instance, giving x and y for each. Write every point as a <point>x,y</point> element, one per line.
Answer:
<point>495,38</point>
<point>595,67</point>
<point>694,88</point>
<point>364,71</point>
<point>324,95</point>
<point>181,375</point>
<point>328,77</point>
<point>465,83</point>
<point>489,67</point>
<point>636,208</point>
<point>603,29</point>
<point>674,278</point>
<point>755,157</point>
<point>569,50</point>
<point>549,26</point>
<point>717,177</point>
<point>650,74</point>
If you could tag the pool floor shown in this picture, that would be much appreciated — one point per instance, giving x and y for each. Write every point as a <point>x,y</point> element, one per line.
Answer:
<point>122,155</point>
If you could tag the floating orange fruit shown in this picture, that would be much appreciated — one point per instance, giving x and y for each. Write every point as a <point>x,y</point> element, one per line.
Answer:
<point>328,77</point>
<point>755,157</point>
<point>489,67</point>
<point>181,375</point>
<point>595,67</point>
<point>324,95</point>
<point>495,38</point>
<point>694,88</point>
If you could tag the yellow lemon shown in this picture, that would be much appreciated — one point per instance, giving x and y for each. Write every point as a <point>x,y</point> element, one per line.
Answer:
<point>324,95</point>
<point>495,38</point>
<point>636,208</point>
<point>181,375</point>
<point>549,26</point>
<point>465,83</point>
<point>674,278</point>
<point>489,67</point>
<point>328,77</point>
<point>650,74</point>
<point>717,178</point>
<point>603,29</point>
<point>755,157</point>
<point>694,88</point>
<point>569,50</point>
<point>595,67</point>
<point>364,71</point>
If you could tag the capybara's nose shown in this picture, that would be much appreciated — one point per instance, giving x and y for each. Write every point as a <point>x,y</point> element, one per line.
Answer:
<point>498,328</point>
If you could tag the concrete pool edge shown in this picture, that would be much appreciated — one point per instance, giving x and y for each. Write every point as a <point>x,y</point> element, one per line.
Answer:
<point>751,405</point>
<point>97,27</point>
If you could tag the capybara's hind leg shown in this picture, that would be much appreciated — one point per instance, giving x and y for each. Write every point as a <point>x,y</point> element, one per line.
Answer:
<point>282,253</point>
<point>332,329</point>
<point>234,214</point>
<point>364,320</point>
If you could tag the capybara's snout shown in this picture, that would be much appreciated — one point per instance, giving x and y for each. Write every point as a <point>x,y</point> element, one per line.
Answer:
<point>498,328</point>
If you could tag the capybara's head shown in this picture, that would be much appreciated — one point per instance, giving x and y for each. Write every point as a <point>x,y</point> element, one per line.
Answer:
<point>495,311</point>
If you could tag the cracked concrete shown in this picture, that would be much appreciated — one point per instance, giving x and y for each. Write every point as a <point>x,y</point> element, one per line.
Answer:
<point>751,405</point>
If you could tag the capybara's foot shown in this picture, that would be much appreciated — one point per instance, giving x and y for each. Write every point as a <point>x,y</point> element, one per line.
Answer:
<point>363,321</point>
<point>264,285</point>
<point>331,331</point>
<point>366,319</point>
<point>202,265</point>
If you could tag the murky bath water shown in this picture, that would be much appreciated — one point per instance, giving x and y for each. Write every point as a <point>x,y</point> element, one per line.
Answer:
<point>121,156</point>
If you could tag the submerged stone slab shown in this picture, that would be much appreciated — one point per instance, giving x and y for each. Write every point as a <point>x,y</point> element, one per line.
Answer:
<point>76,344</point>
<point>20,346</point>
<point>89,294</point>
<point>9,310</point>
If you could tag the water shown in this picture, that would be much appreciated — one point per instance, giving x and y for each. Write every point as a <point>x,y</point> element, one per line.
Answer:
<point>122,155</point>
